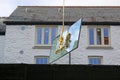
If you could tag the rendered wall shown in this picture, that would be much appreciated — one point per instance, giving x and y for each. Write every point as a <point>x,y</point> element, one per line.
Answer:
<point>19,47</point>
<point>111,55</point>
<point>2,43</point>
<point>17,40</point>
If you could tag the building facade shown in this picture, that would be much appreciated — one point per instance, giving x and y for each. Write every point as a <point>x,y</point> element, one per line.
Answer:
<point>30,31</point>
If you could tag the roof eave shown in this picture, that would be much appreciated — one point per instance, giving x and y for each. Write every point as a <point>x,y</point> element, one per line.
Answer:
<point>57,23</point>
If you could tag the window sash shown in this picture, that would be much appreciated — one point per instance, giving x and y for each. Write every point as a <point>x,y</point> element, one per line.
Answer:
<point>46,35</point>
<point>39,36</point>
<point>95,60</point>
<point>99,36</point>
<point>106,36</point>
<point>53,34</point>
<point>91,36</point>
<point>41,60</point>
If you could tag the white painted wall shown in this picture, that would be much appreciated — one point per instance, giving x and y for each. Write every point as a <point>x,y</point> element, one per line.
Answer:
<point>17,40</point>
<point>2,43</point>
<point>80,55</point>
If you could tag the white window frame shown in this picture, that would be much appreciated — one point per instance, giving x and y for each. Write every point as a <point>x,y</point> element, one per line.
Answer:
<point>101,59</point>
<point>42,39</point>
<point>41,57</point>
<point>102,35</point>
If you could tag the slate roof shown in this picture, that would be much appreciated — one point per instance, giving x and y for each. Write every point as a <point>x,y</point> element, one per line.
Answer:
<point>2,26</point>
<point>72,13</point>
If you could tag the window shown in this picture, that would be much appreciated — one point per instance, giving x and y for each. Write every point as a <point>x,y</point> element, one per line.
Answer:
<point>91,36</point>
<point>99,35</point>
<point>39,35</point>
<point>96,60</point>
<point>106,36</point>
<point>53,34</point>
<point>45,35</point>
<point>41,60</point>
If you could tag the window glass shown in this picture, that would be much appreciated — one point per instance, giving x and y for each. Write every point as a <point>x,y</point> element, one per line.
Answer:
<point>106,36</point>
<point>41,60</point>
<point>53,34</point>
<point>95,60</point>
<point>46,35</point>
<point>98,31</point>
<point>39,35</point>
<point>91,36</point>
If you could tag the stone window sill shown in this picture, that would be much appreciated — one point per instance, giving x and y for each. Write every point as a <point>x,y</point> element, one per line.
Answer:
<point>42,47</point>
<point>100,47</point>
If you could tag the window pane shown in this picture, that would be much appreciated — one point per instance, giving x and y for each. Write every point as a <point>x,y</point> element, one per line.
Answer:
<point>39,35</point>
<point>91,36</point>
<point>41,60</point>
<point>38,61</point>
<point>46,35</point>
<point>95,60</point>
<point>45,61</point>
<point>53,34</point>
<point>98,30</point>
<point>90,61</point>
<point>106,36</point>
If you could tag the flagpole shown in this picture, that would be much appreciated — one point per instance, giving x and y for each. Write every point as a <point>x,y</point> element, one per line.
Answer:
<point>69,58</point>
<point>64,26</point>
<point>63,17</point>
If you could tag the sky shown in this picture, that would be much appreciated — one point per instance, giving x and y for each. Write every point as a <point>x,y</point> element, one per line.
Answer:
<point>8,6</point>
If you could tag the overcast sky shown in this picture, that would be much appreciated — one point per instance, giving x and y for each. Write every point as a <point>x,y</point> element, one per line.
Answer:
<point>8,6</point>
